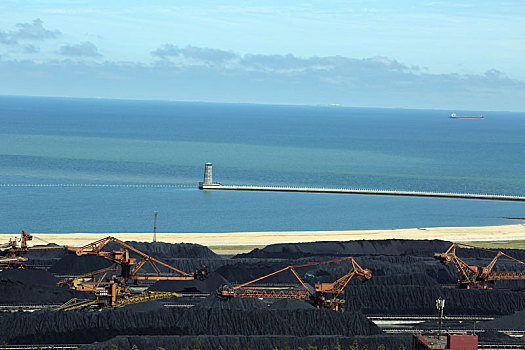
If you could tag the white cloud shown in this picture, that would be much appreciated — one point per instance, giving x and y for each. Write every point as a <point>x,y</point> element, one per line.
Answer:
<point>85,49</point>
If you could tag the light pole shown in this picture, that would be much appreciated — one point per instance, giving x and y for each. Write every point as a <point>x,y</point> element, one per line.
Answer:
<point>440,305</point>
<point>155,226</point>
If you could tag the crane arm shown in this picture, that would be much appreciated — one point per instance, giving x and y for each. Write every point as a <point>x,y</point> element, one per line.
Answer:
<point>339,285</point>
<point>147,258</point>
<point>474,276</point>
<point>114,256</point>
<point>301,292</point>
<point>93,275</point>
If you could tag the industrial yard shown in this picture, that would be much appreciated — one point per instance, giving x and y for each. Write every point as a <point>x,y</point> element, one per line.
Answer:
<point>176,295</point>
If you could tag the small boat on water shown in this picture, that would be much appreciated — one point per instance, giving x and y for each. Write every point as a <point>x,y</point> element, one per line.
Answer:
<point>455,116</point>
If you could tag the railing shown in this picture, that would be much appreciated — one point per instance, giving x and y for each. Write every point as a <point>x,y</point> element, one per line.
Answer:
<point>363,192</point>
<point>423,317</point>
<point>515,332</point>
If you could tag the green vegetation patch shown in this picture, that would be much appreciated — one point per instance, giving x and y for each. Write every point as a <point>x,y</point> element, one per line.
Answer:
<point>519,244</point>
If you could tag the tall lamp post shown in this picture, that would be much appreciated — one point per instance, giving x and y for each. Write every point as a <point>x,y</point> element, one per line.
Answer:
<point>440,305</point>
<point>155,226</point>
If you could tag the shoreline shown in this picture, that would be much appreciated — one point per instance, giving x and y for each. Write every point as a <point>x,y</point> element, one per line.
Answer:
<point>464,234</point>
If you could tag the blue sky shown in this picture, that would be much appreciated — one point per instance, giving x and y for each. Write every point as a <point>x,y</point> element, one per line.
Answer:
<point>413,54</point>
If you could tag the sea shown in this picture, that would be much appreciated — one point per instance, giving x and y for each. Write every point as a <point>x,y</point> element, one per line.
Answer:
<point>96,165</point>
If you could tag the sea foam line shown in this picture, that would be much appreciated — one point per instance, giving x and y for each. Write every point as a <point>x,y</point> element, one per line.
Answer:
<point>102,185</point>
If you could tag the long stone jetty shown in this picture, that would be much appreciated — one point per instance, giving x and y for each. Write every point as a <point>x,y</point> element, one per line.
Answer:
<point>494,197</point>
<point>208,184</point>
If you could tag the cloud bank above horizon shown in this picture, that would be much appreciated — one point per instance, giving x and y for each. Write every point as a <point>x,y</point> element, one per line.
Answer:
<point>213,75</point>
<point>45,59</point>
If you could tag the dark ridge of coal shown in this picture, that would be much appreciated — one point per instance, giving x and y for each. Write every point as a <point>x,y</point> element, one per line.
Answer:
<point>190,265</point>
<point>33,287</point>
<point>385,270</point>
<point>147,306</point>
<point>213,302</point>
<point>491,337</point>
<point>42,255</point>
<point>349,248</point>
<point>514,321</point>
<point>47,251</point>
<point>254,342</point>
<point>81,327</point>
<point>161,250</point>
<point>416,300</point>
<point>73,264</point>
<point>422,248</point>
<point>243,272</point>
<point>209,285</point>
<point>28,277</point>
<point>291,304</point>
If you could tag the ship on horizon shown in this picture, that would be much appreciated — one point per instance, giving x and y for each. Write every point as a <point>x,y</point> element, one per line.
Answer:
<point>455,116</point>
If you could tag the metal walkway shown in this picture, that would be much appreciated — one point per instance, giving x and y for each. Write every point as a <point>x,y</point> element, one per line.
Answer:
<point>493,197</point>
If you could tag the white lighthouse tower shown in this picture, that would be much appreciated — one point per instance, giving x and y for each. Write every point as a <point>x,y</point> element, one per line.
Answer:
<point>208,178</point>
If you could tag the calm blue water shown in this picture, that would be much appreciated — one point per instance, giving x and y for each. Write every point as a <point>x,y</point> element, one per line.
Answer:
<point>70,145</point>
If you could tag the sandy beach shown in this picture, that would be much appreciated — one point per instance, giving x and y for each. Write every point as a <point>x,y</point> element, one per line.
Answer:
<point>463,234</point>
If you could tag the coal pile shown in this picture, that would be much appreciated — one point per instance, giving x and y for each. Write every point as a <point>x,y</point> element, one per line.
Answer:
<point>254,342</point>
<point>73,264</point>
<point>82,327</point>
<point>45,255</point>
<point>291,304</point>
<point>247,304</point>
<point>350,248</point>
<point>148,306</point>
<point>162,250</point>
<point>389,247</point>
<point>184,256</point>
<point>32,287</point>
<point>406,281</point>
<point>209,285</point>
<point>416,300</point>
<point>491,337</point>
<point>514,321</point>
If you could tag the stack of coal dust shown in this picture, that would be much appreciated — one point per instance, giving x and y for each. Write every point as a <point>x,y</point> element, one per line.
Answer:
<point>25,287</point>
<point>349,248</point>
<point>406,277</point>
<point>253,342</point>
<point>44,256</point>
<point>246,318</point>
<point>183,256</point>
<point>514,321</point>
<point>208,285</point>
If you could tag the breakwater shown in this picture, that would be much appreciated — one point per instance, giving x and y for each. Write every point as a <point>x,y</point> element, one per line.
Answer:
<point>495,197</point>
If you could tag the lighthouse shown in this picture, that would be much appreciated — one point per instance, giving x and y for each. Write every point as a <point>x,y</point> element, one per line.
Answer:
<point>208,177</point>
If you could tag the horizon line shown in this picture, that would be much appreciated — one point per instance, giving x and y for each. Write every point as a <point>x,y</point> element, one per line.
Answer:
<point>330,105</point>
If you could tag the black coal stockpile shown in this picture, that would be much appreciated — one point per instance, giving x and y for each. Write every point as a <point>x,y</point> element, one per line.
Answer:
<point>73,264</point>
<point>514,321</point>
<point>45,255</point>
<point>24,287</point>
<point>82,327</point>
<point>253,342</point>
<point>415,300</point>
<point>406,280</point>
<point>183,256</point>
<point>424,248</point>
<point>492,337</point>
<point>350,248</point>
<point>162,250</point>
<point>209,285</point>
<point>291,304</point>
<point>212,302</point>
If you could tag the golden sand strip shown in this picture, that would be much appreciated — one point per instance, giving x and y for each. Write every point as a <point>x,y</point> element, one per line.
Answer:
<point>463,234</point>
